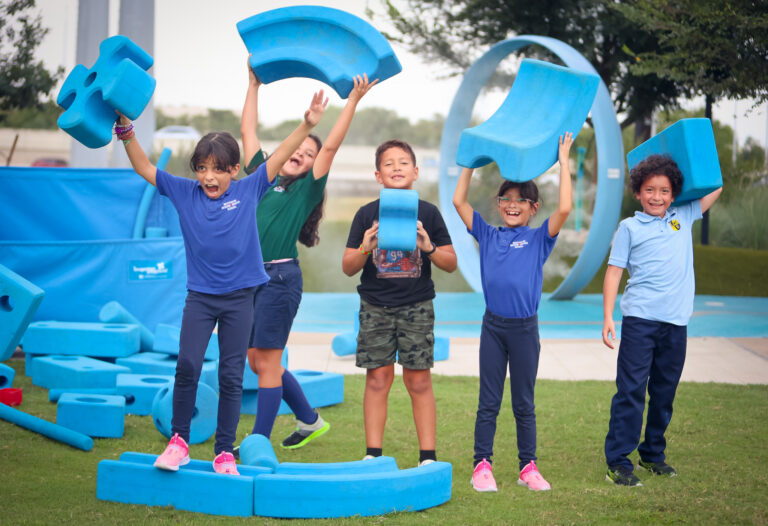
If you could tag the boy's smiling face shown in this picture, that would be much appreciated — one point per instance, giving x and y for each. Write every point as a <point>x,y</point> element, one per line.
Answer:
<point>397,169</point>
<point>213,180</point>
<point>515,210</point>
<point>655,195</point>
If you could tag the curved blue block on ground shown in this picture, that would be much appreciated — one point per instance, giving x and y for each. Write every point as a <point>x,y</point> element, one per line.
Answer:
<point>320,43</point>
<point>45,428</point>
<point>118,80</point>
<point>7,374</point>
<point>398,214</point>
<point>203,424</point>
<point>691,144</point>
<point>19,300</point>
<point>256,450</point>
<point>545,102</point>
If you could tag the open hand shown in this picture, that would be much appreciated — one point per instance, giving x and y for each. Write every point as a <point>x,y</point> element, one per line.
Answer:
<point>316,109</point>
<point>564,147</point>
<point>361,87</point>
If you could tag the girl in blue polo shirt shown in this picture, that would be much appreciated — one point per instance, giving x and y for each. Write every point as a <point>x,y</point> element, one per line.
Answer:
<point>511,268</point>
<point>218,222</point>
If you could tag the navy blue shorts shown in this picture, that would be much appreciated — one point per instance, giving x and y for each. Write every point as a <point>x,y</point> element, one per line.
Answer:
<point>275,305</point>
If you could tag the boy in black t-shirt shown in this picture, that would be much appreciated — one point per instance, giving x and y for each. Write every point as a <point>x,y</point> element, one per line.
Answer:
<point>396,314</point>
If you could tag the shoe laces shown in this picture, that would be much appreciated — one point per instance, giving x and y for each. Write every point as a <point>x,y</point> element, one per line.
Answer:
<point>227,461</point>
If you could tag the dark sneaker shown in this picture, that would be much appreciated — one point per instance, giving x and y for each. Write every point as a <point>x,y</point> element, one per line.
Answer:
<point>305,433</point>
<point>658,468</point>
<point>622,476</point>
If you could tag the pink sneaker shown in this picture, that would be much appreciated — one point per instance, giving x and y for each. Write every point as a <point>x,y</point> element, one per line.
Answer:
<point>482,477</point>
<point>224,463</point>
<point>531,477</point>
<point>176,454</point>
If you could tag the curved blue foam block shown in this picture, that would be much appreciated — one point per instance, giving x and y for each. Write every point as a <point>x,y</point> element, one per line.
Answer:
<point>203,424</point>
<point>257,450</point>
<point>691,144</point>
<point>113,312</point>
<point>7,374</point>
<point>100,416</point>
<point>19,300</point>
<point>45,428</point>
<point>398,214</point>
<point>118,80</point>
<point>373,465</point>
<point>316,42</point>
<point>545,102</point>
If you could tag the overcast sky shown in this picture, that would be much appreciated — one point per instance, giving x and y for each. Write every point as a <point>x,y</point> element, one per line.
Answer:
<point>200,61</point>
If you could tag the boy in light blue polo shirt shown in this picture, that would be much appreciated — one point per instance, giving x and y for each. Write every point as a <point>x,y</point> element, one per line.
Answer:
<point>656,247</point>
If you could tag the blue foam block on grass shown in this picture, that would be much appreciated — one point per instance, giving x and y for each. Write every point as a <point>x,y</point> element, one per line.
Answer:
<point>113,312</point>
<point>166,340</point>
<point>139,391</point>
<point>165,365</point>
<point>7,374</point>
<point>100,416</point>
<point>203,424</point>
<point>251,379</point>
<point>19,300</point>
<point>74,371</point>
<point>102,340</point>
<point>372,465</point>
<point>691,144</point>
<point>45,428</point>
<point>56,393</point>
<point>257,450</point>
<point>398,214</point>
<point>321,389</point>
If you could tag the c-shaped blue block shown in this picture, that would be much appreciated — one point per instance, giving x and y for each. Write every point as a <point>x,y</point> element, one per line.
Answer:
<point>118,80</point>
<point>398,214</point>
<point>691,144</point>
<point>19,299</point>
<point>316,42</point>
<point>545,102</point>
<point>7,374</point>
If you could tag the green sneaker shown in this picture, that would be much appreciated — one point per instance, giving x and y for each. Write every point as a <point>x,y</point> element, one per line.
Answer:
<point>622,476</point>
<point>305,433</point>
<point>658,468</point>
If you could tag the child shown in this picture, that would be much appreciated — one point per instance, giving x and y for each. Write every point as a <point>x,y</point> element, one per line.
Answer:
<point>396,314</point>
<point>289,212</point>
<point>511,268</point>
<point>218,222</point>
<point>655,246</point>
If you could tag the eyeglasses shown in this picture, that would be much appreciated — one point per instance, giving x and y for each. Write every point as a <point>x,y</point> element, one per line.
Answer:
<point>502,200</point>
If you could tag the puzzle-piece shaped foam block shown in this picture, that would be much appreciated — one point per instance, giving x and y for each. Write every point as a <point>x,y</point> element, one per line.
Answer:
<point>545,102</point>
<point>45,428</point>
<point>398,214</point>
<point>113,312</point>
<point>100,416</point>
<point>19,300</point>
<point>167,338</point>
<point>691,144</point>
<point>140,390</point>
<point>102,340</point>
<point>321,389</point>
<point>251,379</point>
<point>320,43</point>
<point>203,423</point>
<point>7,374</point>
<point>165,365</point>
<point>118,80</point>
<point>74,371</point>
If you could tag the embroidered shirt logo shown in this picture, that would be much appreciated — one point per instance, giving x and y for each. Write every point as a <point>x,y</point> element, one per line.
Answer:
<point>279,189</point>
<point>518,244</point>
<point>230,205</point>
<point>675,224</point>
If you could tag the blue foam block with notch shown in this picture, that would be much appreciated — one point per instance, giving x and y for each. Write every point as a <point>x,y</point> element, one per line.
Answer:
<point>74,371</point>
<point>102,340</point>
<point>398,215</point>
<point>19,300</point>
<point>118,80</point>
<point>113,312</point>
<point>321,389</point>
<point>46,428</point>
<point>164,364</point>
<point>203,424</point>
<point>251,379</point>
<point>545,102</point>
<point>7,374</point>
<point>691,144</point>
<point>56,393</point>
<point>166,340</point>
<point>316,42</point>
<point>139,391</point>
<point>100,416</point>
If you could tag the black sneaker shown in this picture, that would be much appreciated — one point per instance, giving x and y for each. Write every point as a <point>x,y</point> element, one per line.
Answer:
<point>658,468</point>
<point>305,433</point>
<point>622,476</point>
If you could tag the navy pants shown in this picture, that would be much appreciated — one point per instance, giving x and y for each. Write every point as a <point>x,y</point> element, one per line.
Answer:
<point>651,354</point>
<point>513,343</point>
<point>234,313</point>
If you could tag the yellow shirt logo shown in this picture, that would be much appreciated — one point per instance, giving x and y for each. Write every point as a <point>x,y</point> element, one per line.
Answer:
<point>675,224</point>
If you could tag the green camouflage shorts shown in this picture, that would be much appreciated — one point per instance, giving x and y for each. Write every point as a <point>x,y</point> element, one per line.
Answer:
<point>385,330</point>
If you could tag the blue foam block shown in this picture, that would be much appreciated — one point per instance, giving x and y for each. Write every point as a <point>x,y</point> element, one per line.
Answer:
<point>113,312</point>
<point>167,341</point>
<point>372,465</point>
<point>165,365</point>
<point>691,144</point>
<point>320,43</point>
<point>321,389</point>
<point>257,450</point>
<point>104,340</point>
<point>93,415</point>
<point>7,374</point>
<point>398,214</point>
<point>56,393</point>
<point>74,371</point>
<point>251,379</point>
<point>203,424</point>
<point>442,349</point>
<point>45,428</point>
<point>118,80</point>
<point>139,391</point>
<point>19,299</point>
<point>344,344</point>
<point>545,102</point>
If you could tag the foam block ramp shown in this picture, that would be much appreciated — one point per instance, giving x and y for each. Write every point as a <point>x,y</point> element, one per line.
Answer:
<point>691,144</point>
<point>203,424</point>
<point>93,415</point>
<point>398,215</point>
<point>74,371</point>
<point>164,364</point>
<point>19,300</point>
<point>118,80</point>
<point>7,374</point>
<point>101,340</point>
<point>166,340</point>
<point>113,312</point>
<point>45,428</point>
<point>139,391</point>
<point>545,102</point>
<point>315,42</point>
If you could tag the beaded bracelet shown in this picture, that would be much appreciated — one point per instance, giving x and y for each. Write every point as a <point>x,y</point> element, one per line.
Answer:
<point>363,252</point>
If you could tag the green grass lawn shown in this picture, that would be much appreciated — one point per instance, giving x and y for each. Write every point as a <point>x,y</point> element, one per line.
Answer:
<point>716,441</point>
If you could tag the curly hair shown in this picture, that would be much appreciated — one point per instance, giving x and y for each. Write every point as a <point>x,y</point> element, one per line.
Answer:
<point>528,189</point>
<point>656,165</point>
<point>308,236</point>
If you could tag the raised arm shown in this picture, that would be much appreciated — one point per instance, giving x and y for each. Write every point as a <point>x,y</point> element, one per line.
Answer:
<point>708,200</point>
<point>460,201</point>
<point>558,217</point>
<point>610,290</point>
<point>139,160</point>
<point>339,131</point>
<point>249,122</point>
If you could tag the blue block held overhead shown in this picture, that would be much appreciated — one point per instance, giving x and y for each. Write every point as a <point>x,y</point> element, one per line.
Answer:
<point>7,374</point>
<point>203,423</point>
<point>117,81</point>
<point>398,215</point>
<point>315,42</point>
<point>113,312</point>
<point>74,371</point>
<point>101,340</point>
<point>545,102</point>
<point>691,144</point>
<point>100,416</point>
<point>166,340</point>
<point>19,299</point>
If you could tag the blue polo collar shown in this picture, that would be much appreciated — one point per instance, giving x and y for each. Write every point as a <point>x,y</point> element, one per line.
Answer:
<point>645,218</point>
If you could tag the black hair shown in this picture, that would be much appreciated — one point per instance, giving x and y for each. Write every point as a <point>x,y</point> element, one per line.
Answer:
<point>656,165</point>
<point>393,143</point>
<point>308,235</point>
<point>219,146</point>
<point>528,189</point>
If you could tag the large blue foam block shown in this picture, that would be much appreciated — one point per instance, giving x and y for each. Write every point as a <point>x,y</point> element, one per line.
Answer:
<point>398,215</point>
<point>321,389</point>
<point>19,299</point>
<point>166,340</point>
<point>164,364</point>
<point>45,428</point>
<point>139,391</point>
<point>691,144</point>
<point>74,371</point>
<point>320,43</point>
<point>545,102</point>
<point>203,424</point>
<point>100,340</point>
<point>7,374</point>
<point>113,312</point>
<point>100,416</point>
<point>118,80</point>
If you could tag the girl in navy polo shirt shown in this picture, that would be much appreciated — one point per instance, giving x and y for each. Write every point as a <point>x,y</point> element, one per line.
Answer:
<point>511,262</point>
<point>218,222</point>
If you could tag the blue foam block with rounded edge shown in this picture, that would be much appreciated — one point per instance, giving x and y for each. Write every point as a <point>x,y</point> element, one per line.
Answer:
<point>7,374</point>
<point>19,300</point>
<point>398,215</point>
<point>113,312</point>
<point>140,390</point>
<point>257,450</point>
<point>74,371</point>
<point>203,424</point>
<point>166,340</point>
<point>94,415</point>
<point>118,80</point>
<point>316,42</point>
<point>45,428</point>
<point>545,102</point>
<point>691,144</point>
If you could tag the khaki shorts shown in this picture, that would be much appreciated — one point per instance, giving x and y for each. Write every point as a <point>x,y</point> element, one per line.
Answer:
<point>384,331</point>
